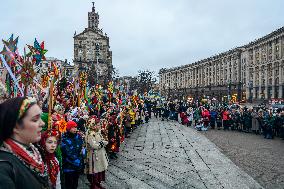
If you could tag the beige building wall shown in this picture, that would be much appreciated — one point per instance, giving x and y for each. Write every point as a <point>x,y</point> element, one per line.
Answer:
<point>254,71</point>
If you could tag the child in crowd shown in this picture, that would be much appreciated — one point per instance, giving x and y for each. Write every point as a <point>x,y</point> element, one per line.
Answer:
<point>48,143</point>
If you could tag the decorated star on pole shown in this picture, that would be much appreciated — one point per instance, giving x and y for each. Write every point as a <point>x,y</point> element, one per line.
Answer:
<point>37,52</point>
<point>9,49</point>
<point>11,43</point>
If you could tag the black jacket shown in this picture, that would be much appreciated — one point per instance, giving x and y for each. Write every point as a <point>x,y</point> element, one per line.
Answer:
<point>15,175</point>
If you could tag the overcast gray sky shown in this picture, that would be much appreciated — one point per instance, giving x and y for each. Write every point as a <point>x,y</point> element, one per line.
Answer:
<point>144,34</point>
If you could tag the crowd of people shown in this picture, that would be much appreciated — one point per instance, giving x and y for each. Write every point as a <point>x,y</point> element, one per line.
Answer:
<point>41,149</point>
<point>259,120</point>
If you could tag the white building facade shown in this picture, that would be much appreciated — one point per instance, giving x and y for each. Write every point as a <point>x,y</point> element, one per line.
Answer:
<point>252,72</point>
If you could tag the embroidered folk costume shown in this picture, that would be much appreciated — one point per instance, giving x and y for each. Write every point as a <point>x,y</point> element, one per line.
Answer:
<point>53,167</point>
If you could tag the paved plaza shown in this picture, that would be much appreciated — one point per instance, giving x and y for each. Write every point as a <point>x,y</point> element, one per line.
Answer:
<point>169,155</point>
<point>261,158</point>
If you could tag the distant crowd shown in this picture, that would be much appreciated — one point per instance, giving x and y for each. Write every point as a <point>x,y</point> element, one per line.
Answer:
<point>43,149</point>
<point>203,116</point>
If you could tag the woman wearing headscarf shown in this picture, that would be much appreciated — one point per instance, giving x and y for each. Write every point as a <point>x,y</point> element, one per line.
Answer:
<point>49,141</point>
<point>21,163</point>
<point>97,161</point>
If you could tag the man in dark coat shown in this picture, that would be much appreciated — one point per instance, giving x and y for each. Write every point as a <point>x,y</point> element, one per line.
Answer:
<point>247,121</point>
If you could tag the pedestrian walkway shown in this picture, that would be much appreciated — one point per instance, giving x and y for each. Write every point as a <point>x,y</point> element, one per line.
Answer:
<point>169,155</point>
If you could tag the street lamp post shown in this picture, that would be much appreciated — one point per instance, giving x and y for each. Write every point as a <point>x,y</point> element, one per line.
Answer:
<point>239,91</point>
<point>229,90</point>
<point>169,92</point>
<point>250,91</point>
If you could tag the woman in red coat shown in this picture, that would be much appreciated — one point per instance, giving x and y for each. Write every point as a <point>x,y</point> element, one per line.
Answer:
<point>206,117</point>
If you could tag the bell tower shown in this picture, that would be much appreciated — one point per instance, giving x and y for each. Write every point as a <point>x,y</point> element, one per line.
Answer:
<point>93,18</point>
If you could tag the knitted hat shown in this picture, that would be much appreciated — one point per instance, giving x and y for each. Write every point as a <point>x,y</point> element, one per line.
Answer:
<point>70,125</point>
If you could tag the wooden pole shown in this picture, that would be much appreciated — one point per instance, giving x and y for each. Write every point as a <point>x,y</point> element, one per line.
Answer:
<point>50,104</point>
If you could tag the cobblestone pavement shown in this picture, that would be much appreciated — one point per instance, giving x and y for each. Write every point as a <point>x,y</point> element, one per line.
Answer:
<point>261,158</point>
<point>169,155</point>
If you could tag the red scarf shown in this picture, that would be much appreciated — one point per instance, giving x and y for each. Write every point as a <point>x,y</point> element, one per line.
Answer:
<point>50,160</point>
<point>52,167</point>
<point>22,153</point>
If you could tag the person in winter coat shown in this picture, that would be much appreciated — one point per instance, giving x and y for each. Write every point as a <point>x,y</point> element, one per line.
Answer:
<point>219,120</point>
<point>190,116</point>
<point>97,161</point>
<point>282,126</point>
<point>247,120</point>
<point>147,116</point>
<point>206,118</point>
<point>165,112</point>
<point>48,143</point>
<point>226,119</point>
<point>196,116</point>
<point>113,137</point>
<point>213,118</point>
<point>268,125</point>
<point>132,117</point>
<point>21,163</point>
<point>72,155</point>
<point>183,118</point>
<point>255,125</point>
<point>277,123</point>
<point>127,123</point>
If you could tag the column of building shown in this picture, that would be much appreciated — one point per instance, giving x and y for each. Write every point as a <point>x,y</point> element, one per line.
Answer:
<point>247,75</point>
<point>194,77</point>
<point>281,68</point>
<point>188,78</point>
<point>273,80</point>
<point>253,73</point>
<point>260,71</point>
<point>207,76</point>
<point>239,77</point>
<point>179,79</point>
<point>218,76</point>
<point>266,81</point>
<point>227,77</point>
<point>215,72</point>
<point>260,82</point>
<point>281,79</point>
<point>273,70</point>
<point>201,76</point>
<point>223,71</point>
<point>191,77</point>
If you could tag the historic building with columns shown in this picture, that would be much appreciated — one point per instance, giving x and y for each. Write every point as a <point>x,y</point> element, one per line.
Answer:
<point>92,51</point>
<point>248,73</point>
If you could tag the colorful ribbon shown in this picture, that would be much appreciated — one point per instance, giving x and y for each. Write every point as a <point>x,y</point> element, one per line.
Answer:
<point>11,74</point>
